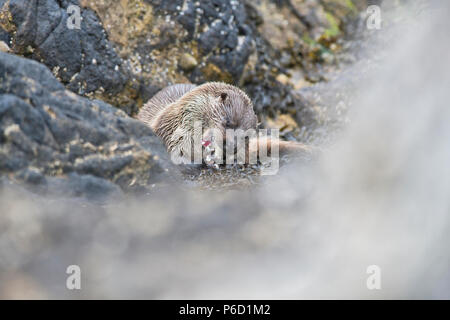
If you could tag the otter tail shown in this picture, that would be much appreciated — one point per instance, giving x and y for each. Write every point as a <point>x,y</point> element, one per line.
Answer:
<point>284,147</point>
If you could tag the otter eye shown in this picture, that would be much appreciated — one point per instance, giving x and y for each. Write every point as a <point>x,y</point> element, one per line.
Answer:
<point>230,125</point>
<point>223,96</point>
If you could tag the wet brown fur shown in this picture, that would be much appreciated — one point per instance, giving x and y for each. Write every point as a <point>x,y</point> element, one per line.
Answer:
<point>171,114</point>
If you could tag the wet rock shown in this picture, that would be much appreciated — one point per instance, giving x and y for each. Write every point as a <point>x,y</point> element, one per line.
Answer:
<point>82,59</point>
<point>188,62</point>
<point>125,51</point>
<point>282,78</point>
<point>154,37</point>
<point>326,104</point>
<point>295,38</point>
<point>47,131</point>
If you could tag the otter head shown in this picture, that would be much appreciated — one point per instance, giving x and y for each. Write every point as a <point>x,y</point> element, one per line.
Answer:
<point>201,118</point>
<point>228,112</point>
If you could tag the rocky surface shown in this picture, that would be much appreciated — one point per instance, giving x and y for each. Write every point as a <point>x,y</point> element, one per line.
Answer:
<point>82,59</point>
<point>124,51</point>
<point>64,143</point>
<point>72,158</point>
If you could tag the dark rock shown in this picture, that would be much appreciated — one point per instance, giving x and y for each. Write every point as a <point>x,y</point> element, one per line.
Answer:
<point>5,36</point>
<point>47,131</point>
<point>88,186</point>
<point>123,55</point>
<point>221,28</point>
<point>82,59</point>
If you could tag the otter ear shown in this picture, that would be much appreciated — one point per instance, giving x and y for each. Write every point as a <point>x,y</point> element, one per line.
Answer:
<point>223,96</point>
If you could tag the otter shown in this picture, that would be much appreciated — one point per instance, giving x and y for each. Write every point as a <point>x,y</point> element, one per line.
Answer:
<point>174,112</point>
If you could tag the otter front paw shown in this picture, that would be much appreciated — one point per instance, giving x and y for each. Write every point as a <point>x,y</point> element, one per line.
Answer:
<point>209,151</point>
